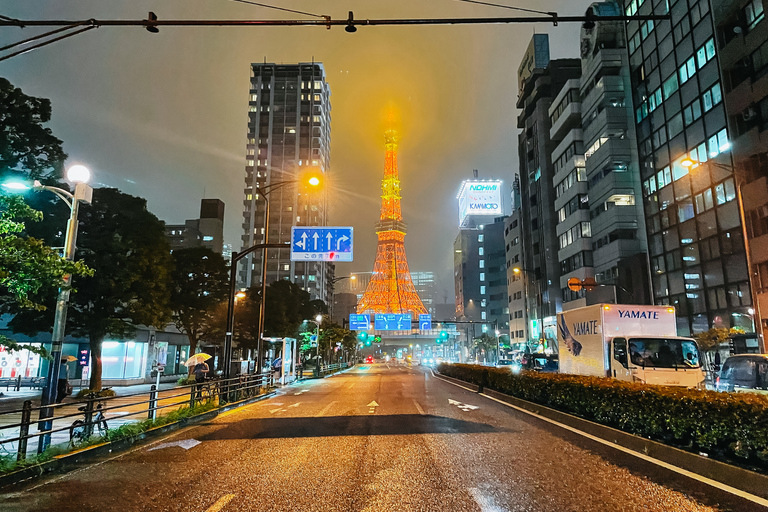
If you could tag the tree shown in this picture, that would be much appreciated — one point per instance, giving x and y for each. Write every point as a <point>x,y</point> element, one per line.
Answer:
<point>125,245</point>
<point>287,306</point>
<point>709,340</point>
<point>485,344</point>
<point>26,146</point>
<point>199,285</point>
<point>29,270</point>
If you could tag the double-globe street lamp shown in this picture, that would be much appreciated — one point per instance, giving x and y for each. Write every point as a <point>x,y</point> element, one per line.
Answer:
<point>312,179</point>
<point>740,180</point>
<point>79,175</point>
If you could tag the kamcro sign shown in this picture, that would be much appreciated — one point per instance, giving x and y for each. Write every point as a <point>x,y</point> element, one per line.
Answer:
<point>479,198</point>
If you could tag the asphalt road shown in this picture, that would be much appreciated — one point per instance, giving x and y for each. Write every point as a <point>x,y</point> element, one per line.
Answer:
<point>379,437</point>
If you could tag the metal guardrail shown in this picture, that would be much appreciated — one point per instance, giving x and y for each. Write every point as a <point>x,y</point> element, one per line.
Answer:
<point>219,391</point>
<point>325,369</point>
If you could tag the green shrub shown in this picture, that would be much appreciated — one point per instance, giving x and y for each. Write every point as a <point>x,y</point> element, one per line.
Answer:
<point>103,393</point>
<point>730,424</point>
<point>186,380</point>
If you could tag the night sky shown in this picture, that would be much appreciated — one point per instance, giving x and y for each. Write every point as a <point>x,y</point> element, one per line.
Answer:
<point>164,116</point>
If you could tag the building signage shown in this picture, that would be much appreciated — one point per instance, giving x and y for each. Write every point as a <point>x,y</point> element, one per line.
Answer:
<point>392,322</point>
<point>479,198</point>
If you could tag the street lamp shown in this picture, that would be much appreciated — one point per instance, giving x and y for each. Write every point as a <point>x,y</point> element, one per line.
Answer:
<point>739,178</point>
<point>314,181</point>
<point>79,175</point>
<point>318,319</point>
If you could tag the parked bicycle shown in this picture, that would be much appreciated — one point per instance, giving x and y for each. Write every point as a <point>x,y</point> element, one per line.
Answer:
<point>79,430</point>
<point>209,389</point>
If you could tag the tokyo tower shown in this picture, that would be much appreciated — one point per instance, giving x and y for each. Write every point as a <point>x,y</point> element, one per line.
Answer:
<point>391,288</point>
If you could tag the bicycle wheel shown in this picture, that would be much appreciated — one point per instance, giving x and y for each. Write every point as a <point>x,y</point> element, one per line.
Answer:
<point>205,393</point>
<point>77,432</point>
<point>101,423</point>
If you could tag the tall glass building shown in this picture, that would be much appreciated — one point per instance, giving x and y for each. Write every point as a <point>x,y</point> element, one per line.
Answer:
<point>695,241</point>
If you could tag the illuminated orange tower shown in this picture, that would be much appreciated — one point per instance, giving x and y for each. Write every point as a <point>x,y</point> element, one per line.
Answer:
<point>391,288</point>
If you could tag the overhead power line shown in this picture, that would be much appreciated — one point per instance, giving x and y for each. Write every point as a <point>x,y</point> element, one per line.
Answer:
<point>152,24</point>
<point>249,2</point>
<point>523,9</point>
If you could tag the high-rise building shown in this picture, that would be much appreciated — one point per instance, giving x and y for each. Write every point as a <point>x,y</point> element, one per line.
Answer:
<point>289,131</point>
<point>695,236</point>
<point>540,79</point>
<point>205,231</point>
<point>742,39</point>
<point>516,275</point>
<point>480,276</point>
<point>608,169</point>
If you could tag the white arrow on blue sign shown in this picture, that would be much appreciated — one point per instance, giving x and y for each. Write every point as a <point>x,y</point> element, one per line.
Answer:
<point>324,243</point>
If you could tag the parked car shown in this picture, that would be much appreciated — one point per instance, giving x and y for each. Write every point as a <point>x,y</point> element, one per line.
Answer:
<point>504,363</point>
<point>744,372</point>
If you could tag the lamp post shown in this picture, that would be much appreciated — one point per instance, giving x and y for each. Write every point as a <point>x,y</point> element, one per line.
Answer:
<point>316,321</point>
<point>79,175</point>
<point>312,180</point>
<point>739,178</point>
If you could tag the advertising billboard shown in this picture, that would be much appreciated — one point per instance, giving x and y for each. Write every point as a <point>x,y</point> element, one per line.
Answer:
<point>479,197</point>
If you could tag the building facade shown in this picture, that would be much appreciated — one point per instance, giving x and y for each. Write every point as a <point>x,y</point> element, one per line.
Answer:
<point>480,276</point>
<point>742,40</point>
<point>609,168</point>
<point>540,79</point>
<point>205,231</point>
<point>516,294</point>
<point>695,242</point>
<point>289,132</point>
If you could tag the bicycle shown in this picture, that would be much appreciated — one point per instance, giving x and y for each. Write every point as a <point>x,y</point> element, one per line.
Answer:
<point>209,389</point>
<point>78,431</point>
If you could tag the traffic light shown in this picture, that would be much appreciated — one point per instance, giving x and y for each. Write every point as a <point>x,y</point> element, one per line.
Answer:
<point>377,339</point>
<point>443,336</point>
<point>362,336</point>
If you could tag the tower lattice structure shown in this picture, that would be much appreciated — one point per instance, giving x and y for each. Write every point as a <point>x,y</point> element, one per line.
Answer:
<point>391,288</point>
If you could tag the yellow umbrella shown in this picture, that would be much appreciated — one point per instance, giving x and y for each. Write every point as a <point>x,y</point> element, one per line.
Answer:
<point>71,358</point>
<point>197,358</point>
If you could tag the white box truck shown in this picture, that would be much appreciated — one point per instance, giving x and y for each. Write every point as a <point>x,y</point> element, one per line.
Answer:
<point>628,342</point>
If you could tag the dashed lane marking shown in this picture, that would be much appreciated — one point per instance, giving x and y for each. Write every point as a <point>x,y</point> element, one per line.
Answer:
<point>326,408</point>
<point>418,407</point>
<point>708,481</point>
<point>220,503</point>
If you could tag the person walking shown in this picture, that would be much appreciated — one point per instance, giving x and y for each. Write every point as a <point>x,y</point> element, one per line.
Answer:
<point>200,371</point>
<point>62,386</point>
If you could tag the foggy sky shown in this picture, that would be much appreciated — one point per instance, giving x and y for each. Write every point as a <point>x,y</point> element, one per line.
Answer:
<point>164,116</point>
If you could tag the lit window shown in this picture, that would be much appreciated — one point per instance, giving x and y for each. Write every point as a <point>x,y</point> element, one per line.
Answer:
<point>286,266</point>
<point>482,276</point>
<point>480,251</point>
<point>207,238</point>
<point>480,238</point>
<point>482,290</point>
<point>482,264</point>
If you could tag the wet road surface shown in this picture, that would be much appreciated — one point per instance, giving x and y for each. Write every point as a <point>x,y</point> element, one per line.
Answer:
<point>378,437</point>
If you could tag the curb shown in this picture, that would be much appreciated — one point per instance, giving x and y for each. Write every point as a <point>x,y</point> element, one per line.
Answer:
<point>733,476</point>
<point>62,463</point>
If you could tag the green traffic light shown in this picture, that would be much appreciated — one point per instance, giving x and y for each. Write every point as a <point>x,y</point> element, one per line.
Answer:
<point>443,335</point>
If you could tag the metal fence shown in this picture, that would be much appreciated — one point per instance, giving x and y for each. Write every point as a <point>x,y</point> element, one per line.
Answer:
<point>325,369</point>
<point>148,405</point>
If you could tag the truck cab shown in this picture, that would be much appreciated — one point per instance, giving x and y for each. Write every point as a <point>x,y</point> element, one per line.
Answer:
<point>666,361</point>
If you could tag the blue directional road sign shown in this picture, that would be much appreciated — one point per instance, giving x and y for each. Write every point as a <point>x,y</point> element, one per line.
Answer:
<point>359,322</point>
<point>326,243</point>
<point>425,322</point>
<point>392,322</point>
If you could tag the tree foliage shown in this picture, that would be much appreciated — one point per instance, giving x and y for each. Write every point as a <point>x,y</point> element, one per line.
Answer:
<point>126,247</point>
<point>286,307</point>
<point>200,284</point>
<point>709,340</point>
<point>26,145</point>
<point>486,344</point>
<point>30,271</point>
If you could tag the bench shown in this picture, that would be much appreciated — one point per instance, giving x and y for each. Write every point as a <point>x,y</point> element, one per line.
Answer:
<point>18,382</point>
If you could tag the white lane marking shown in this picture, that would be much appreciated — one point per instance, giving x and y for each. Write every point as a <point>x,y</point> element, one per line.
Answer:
<point>273,411</point>
<point>418,407</point>
<point>464,407</point>
<point>326,408</point>
<point>300,392</point>
<point>294,405</point>
<point>484,502</point>
<point>186,444</point>
<point>220,503</point>
<point>372,407</point>
<point>665,465</point>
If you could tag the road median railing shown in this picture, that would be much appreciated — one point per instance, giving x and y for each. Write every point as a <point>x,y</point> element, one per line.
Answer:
<point>327,369</point>
<point>73,429</point>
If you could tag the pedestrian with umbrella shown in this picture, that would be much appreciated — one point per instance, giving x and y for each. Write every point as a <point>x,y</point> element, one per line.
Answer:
<point>200,369</point>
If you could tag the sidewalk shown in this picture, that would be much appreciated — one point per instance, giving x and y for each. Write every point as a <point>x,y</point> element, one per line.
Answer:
<point>120,407</point>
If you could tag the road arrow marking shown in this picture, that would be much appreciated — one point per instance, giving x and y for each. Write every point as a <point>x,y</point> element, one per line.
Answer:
<point>373,404</point>
<point>294,405</point>
<point>372,407</point>
<point>464,407</point>
<point>339,241</point>
<point>329,237</point>
<point>221,503</point>
<point>453,402</point>
<point>300,392</point>
<point>186,444</point>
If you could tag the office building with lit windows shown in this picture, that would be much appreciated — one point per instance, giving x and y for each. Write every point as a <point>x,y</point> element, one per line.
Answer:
<point>289,131</point>
<point>695,242</point>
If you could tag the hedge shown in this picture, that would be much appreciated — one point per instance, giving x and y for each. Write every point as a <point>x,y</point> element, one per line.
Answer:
<point>725,425</point>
